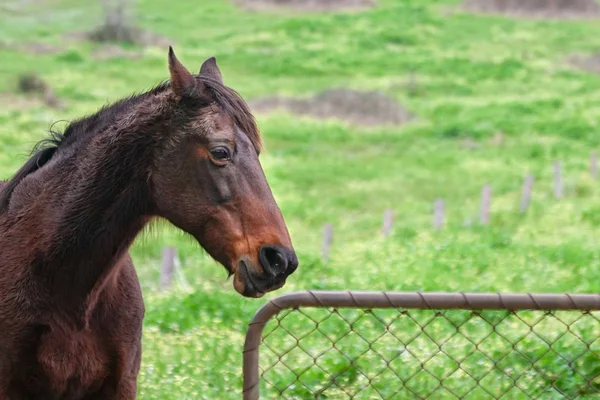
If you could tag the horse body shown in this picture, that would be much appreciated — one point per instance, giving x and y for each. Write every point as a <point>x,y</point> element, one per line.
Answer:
<point>52,357</point>
<point>63,344</point>
<point>71,306</point>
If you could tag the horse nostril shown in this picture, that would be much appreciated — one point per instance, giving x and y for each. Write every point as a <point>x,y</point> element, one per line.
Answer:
<point>273,260</point>
<point>292,263</point>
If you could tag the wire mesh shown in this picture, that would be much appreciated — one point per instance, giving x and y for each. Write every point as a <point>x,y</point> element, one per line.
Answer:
<point>402,346</point>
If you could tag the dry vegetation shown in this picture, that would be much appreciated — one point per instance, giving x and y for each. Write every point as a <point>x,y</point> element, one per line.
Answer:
<point>112,51</point>
<point>554,9</point>
<point>355,107</point>
<point>306,5</point>
<point>588,63</point>
<point>118,23</point>
<point>31,85</point>
<point>119,26</point>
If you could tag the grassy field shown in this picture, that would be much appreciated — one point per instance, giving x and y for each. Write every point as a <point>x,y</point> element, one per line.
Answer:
<point>475,75</point>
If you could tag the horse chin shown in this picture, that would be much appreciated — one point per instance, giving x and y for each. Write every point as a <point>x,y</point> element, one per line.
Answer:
<point>244,284</point>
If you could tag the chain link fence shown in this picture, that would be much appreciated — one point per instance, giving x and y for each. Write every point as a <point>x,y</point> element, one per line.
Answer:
<point>361,345</point>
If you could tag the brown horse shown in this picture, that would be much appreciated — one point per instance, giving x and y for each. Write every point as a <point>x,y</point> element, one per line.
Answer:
<point>71,308</point>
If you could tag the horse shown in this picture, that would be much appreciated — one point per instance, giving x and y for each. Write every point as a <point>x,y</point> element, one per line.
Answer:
<point>71,308</point>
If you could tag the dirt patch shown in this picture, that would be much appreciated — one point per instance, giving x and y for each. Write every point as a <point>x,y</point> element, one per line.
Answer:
<point>111,52</point>
<point>34,48</point>
<point>588,63</point>
<point>543,9</point>
<point>306,5</point>
<point>36,89</point>
<point>116,32</point>
<point>103,52</point>
<point>139,38</point>
<point>355,107</point>
<point>120,26</point>
<point>131,35</point>
<point>13,101</point>
<point>39,48</point>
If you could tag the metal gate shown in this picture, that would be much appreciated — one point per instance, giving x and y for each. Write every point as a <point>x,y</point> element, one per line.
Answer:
<point>371,345</point>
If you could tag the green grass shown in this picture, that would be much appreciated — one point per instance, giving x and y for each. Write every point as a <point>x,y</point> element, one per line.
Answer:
<point>475,75</point>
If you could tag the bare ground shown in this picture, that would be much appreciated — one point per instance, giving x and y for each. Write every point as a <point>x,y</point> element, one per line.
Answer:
<point>108,34</point>
<point>36,89</point>
<point>306,5</point>
<point>543,9</point>
<point>39,48</point>
<point>588,63</point>
<point>108,50</point>
<point>111,51</point>
<point>14,101</point>
<point>352,106</point>
<point>34,48</point>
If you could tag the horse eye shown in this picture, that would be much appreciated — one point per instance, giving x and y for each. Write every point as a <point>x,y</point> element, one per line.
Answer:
<point>220,153</point>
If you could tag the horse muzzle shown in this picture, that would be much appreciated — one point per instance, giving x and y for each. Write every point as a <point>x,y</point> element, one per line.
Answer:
<point>277,264</point>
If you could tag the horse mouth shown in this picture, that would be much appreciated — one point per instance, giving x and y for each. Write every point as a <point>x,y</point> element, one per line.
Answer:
<point>250,286</point>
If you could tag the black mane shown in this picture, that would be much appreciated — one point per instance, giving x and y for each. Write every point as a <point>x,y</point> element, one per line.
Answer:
<point>228,99</point>
<point>45,149</point>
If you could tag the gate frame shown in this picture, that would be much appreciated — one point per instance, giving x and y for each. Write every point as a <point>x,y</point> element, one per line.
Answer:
<point>404,300</point>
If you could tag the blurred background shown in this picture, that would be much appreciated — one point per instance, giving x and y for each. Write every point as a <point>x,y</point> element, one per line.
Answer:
<point>372,112</point>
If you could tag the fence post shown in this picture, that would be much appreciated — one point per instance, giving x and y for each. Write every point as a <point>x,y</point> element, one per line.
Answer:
<point>594,165</point>
<point>327,240</point>
<point>558,181</point>
<point>412,83</point>
<point>167,267</point>
<point>438,214</point>
<point>178,270</point>
<point>486,199</point>
<point>527,191</point>
<point>388,218</point>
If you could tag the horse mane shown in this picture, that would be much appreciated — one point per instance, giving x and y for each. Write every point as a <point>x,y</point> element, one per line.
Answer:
<point>40,158</point>
<point>228,99</point>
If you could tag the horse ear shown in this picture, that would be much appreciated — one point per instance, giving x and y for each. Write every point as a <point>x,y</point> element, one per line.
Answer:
<point>181,79</point>
<point>209,69</point>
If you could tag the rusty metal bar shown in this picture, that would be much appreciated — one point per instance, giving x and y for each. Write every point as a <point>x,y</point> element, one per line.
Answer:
<point>404,300</point>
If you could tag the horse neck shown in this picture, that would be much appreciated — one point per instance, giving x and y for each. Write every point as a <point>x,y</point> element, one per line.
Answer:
<point>98,211</point>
